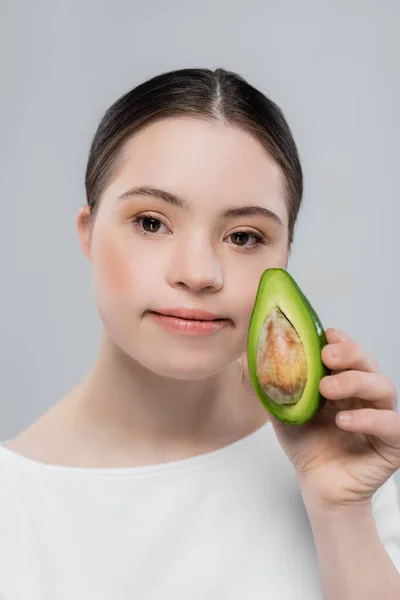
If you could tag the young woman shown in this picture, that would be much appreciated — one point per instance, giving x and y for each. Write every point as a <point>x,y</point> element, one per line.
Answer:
<point>161,474</point>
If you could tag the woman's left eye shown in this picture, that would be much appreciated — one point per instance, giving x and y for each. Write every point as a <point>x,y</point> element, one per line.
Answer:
<point>151,226</point>
<point>259,239</point>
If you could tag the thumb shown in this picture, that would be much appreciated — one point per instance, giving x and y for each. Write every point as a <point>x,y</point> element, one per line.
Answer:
<point>245,374</point>
<point>246,381</point>
<point>250,389</point>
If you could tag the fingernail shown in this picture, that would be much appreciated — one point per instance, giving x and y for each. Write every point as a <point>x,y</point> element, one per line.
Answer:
<point>332,382</point>
<point>340,335</point>
<point>333,352</point>
<point>345,417</point>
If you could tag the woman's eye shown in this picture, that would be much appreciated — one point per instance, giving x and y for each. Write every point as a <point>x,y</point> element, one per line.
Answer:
<point>150,224</point>
<point>244,237</point>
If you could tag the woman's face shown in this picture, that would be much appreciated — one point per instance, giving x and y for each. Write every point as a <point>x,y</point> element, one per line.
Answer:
<point>175,256</point>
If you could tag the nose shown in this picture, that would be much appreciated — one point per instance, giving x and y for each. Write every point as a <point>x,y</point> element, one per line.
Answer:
<point>195,265</point>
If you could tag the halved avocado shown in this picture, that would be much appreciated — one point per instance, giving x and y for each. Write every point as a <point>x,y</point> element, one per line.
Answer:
<point>284,344</point>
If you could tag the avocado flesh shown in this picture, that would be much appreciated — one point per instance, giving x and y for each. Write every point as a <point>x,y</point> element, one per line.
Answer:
<point>285,340</point>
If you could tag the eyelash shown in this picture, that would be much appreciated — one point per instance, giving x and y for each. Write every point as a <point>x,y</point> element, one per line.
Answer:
<point>260,240</point>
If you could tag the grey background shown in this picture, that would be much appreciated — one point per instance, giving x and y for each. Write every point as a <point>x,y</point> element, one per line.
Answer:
<point>333,67</point>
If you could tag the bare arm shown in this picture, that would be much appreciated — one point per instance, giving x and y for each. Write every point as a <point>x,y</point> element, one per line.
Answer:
<point>353,563</point>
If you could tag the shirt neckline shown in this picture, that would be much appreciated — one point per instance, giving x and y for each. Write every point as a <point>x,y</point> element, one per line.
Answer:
<point>180,464</point>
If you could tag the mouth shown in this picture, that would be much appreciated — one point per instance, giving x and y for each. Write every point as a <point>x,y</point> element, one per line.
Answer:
<point>189,326</point>
<point>187,319</point>
<point>188,314</point>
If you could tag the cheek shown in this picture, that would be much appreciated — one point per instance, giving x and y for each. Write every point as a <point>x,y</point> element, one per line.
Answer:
<point>246,290</point>
<point>113,270</point>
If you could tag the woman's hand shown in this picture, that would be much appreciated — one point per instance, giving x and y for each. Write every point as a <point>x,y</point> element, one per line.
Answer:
<point>344,463</point>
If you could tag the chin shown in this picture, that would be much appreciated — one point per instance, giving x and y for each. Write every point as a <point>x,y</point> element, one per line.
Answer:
<point>187,368</point>
<point>173,360</point>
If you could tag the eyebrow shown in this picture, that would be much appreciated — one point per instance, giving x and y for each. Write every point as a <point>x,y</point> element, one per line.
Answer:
<point>174,200</point>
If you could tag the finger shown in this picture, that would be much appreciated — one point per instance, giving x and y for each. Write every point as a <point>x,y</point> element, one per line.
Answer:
<point>373,387</point>
<point>336,335</point>
<point>348,355</point>
<point>245,366</point>
<point>384,424</point>
<point>245,374</point>
<point>249,388</point>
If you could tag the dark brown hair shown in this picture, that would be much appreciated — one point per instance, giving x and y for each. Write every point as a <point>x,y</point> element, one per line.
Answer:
<point>218,95</point>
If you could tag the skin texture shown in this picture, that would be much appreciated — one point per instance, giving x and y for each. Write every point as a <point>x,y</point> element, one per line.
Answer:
<point>152,395</point>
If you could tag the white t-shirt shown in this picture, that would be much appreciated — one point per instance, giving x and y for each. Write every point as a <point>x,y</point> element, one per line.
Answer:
<point>226,525</point>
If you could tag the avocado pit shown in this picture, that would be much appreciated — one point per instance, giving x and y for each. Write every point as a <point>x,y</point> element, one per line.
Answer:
<point>281,360</point>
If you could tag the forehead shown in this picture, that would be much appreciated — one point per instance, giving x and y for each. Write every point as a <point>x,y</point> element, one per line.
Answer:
<point>202,161</point>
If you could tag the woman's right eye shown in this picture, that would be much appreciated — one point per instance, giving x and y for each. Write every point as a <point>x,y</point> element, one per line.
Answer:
<point>150,224</point>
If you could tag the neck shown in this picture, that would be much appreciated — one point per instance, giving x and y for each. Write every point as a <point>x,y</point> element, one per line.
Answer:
<point>123,402</point>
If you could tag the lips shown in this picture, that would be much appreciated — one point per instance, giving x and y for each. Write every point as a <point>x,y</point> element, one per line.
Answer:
<point>191,318</point>
<point>190,327</point>
<point>190,314</point>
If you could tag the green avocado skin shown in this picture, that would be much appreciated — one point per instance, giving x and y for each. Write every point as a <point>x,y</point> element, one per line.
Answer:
<point>277,288</point>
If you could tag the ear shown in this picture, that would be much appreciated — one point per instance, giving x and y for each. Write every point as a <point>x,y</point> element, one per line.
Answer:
<point>84,225</point>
